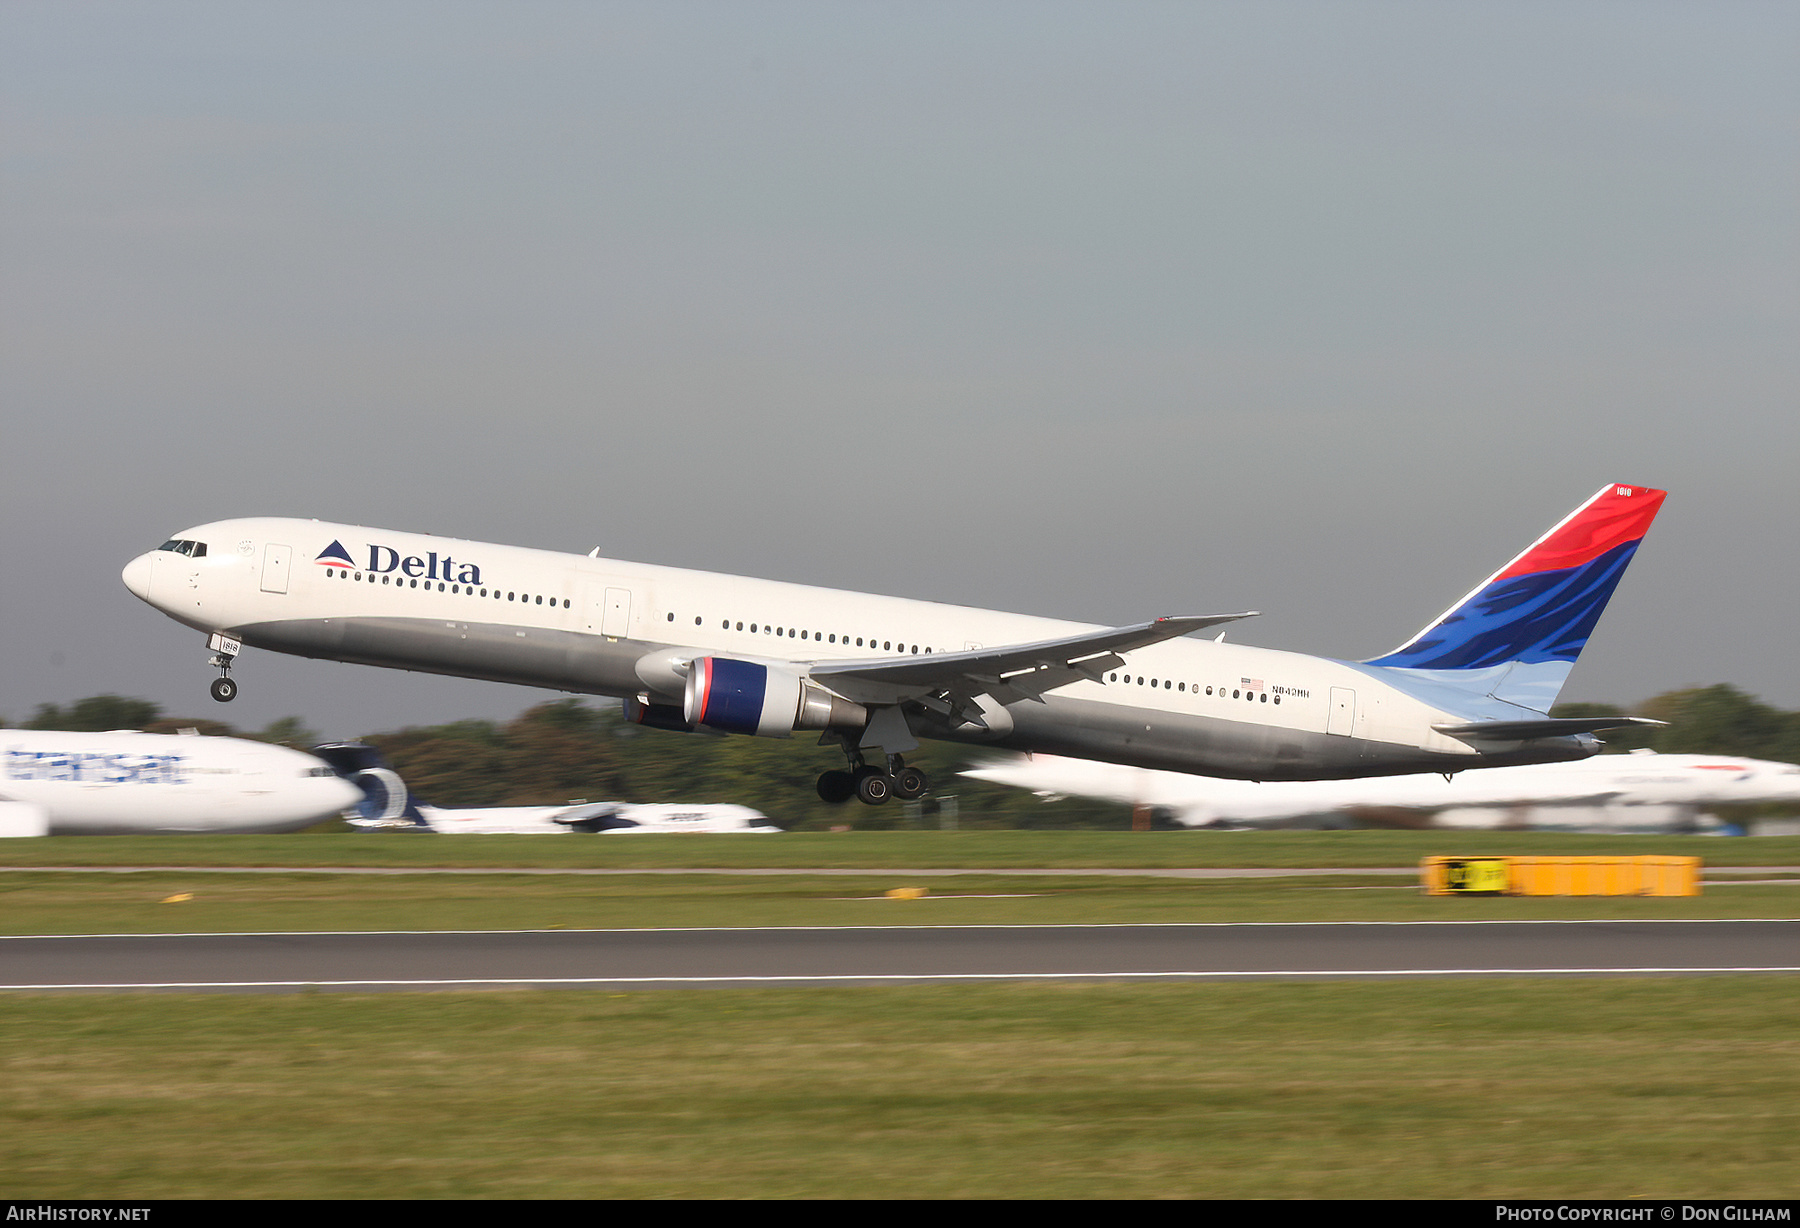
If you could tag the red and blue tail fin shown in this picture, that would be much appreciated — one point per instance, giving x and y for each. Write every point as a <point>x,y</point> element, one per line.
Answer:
<point>1517,635</point>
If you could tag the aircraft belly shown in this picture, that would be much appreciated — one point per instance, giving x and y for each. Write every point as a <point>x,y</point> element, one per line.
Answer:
<point>1182,742</point>
<point>527,656</point>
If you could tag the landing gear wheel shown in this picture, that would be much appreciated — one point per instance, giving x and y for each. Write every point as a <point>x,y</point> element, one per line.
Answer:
<point>910,782</point>
<point>836,787</point>
<point>874,786</point>
<point>224,690</point>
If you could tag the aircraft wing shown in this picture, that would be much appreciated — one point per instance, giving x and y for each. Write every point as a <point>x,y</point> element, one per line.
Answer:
<point>1008,672</point>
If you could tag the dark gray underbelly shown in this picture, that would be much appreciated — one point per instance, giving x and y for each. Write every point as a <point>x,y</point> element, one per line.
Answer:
<point>1238,750</point>
<point>527,656</point>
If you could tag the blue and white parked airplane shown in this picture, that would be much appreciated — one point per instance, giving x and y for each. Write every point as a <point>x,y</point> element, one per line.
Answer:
<point>690,648</point>
<point>130,783</point>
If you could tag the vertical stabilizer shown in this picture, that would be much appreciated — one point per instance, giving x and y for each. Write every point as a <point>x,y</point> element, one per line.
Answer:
<point>1518,634</point>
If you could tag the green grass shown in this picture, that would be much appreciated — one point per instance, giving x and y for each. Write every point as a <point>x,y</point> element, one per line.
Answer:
<point>52,903</point>
<point>1671,1088</point>
<point>1469,1088</point>
<point>875,850</point>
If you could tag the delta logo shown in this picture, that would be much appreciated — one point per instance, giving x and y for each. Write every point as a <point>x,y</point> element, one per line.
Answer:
<point>384,559</point>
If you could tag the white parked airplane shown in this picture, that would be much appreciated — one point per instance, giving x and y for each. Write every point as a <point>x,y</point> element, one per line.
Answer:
<point>65,784</point>
<point>606,818</point>
<point>388,805</point>
<point>1641,791</point>
<point>689,648</point>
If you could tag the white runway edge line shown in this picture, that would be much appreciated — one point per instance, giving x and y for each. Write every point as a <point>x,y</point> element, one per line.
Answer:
<point>1049,925</point>
<point>898,978</point>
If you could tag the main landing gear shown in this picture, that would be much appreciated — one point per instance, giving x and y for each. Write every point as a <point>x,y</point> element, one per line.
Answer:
<point>874,785</point>
<point>225,651</point>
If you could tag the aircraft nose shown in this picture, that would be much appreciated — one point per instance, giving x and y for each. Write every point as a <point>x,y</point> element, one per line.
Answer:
<point>342,795</point>
<point>137,575</point>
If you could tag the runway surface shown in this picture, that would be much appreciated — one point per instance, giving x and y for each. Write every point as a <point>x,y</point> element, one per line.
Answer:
<point>643,959</point>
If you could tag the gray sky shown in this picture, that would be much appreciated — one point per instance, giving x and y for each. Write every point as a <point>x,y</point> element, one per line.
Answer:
<point>1100,311</point>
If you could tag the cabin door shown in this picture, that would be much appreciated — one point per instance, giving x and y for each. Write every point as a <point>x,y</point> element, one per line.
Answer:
<point>1342,720</point>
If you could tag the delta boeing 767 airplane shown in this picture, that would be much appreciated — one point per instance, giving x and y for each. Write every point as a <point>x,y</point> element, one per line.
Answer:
<point>687,649</point>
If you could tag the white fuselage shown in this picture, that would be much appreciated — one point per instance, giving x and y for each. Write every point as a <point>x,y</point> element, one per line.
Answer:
<point>127,782</point>
<point>600,626</point>
<point>1623,792</point>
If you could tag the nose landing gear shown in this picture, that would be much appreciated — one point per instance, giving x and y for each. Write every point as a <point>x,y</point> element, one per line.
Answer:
<point>225,651</point>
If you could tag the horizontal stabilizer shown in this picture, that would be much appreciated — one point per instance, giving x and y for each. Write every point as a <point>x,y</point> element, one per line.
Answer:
<point>1543,727</point>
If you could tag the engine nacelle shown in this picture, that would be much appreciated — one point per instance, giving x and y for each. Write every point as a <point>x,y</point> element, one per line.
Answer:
<point>746,697</point>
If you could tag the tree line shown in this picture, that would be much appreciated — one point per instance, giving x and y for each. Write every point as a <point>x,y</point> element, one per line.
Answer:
<point>571,749</point>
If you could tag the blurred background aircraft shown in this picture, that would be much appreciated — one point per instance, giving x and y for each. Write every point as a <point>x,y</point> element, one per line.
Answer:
<point>1638,792</point>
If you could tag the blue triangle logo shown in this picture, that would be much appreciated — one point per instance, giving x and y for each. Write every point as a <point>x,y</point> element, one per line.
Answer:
<point>335,555</point>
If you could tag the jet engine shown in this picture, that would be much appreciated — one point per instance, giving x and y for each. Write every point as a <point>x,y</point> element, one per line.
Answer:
<point>746,697</point>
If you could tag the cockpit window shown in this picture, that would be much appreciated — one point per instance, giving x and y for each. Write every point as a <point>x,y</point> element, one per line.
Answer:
<point>175,545</point>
